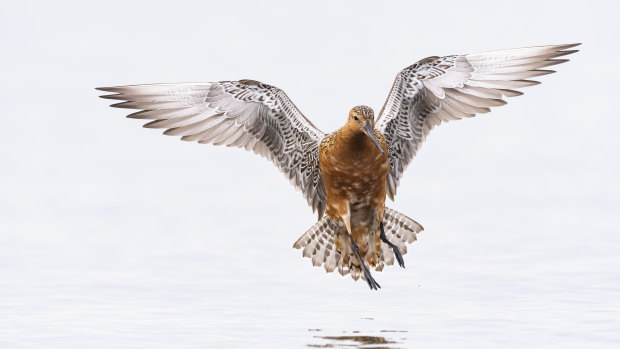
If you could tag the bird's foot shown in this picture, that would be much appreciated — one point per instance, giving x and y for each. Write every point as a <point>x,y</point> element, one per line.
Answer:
<point>397,254</point>
<point>372,283</point>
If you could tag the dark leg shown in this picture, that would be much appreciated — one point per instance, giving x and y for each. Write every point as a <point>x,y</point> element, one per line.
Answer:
<point>399,257</point>
<point>371,282</point>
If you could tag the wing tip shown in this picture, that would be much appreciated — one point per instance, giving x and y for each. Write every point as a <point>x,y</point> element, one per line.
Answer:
<point>557,61</point>
<point>116,96</point>
<point>528,82</point>
<point>171,132</point>
<point>500,102</point>
<point>113,89</point>
<point>151,124</point>
<point>510,93</point>
<point>569,51</point>
<point>545,71</point>
<point>562,53</point>
<point>109,89</point>
<point>124,105</point>
<point>565,46</point>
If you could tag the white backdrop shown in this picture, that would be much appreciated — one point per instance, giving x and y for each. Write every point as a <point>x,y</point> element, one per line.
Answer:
<point>116,236</point>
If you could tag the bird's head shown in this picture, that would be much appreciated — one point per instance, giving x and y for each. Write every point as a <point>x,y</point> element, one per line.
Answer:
<point>362,118</point>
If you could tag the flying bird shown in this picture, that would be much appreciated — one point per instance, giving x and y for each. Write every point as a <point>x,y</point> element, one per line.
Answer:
<point>345,176</point>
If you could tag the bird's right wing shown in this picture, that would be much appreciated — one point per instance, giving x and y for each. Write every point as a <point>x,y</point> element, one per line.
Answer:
<point>440,89</point>
<point>246,114</point>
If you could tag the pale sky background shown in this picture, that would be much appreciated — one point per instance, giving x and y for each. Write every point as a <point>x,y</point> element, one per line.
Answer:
<point>116,236</point>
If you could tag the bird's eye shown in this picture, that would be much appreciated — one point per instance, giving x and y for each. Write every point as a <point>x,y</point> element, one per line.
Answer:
<point>355,117</point>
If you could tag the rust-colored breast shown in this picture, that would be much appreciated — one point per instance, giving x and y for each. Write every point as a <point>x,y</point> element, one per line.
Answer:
<point>354,170</point>
<point>354,173</point>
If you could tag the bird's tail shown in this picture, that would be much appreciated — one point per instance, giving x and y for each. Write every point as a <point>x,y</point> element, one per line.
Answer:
<point>327,244</point>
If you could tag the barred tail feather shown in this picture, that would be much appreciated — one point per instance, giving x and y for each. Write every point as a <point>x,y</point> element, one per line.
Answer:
<point>319,244</point>
<point>399,230</point>
<point>327,244</point>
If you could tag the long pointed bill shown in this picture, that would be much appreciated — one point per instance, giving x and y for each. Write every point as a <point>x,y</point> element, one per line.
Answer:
<point>368,129</point>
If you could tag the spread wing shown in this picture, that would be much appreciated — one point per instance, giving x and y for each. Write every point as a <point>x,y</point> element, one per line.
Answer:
<point>440,89</point>
<point>245,114</point>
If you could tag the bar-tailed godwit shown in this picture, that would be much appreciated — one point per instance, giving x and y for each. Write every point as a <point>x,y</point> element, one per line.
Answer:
<point>345,176</point>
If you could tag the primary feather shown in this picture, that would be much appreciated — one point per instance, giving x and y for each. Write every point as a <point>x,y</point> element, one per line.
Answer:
<point>245,114</point>
<point>440,89</point>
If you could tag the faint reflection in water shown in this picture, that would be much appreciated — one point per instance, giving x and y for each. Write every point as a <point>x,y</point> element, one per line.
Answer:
<point>357,340</point>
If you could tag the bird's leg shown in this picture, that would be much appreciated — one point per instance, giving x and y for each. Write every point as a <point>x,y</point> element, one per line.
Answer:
<point>369,279</point>
<point>399,257</point>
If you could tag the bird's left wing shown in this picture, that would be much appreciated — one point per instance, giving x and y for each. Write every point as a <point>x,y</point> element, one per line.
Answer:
<point>440,89</point>
<point>245,114</point>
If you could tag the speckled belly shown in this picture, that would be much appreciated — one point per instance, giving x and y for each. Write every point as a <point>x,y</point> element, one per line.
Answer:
<point>360,192</point>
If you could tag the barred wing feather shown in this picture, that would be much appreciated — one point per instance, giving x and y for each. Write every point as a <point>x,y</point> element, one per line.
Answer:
<point>440,89</point>
<point>245,114</point>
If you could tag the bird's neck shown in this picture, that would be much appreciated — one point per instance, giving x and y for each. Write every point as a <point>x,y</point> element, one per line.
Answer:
<point>355,139</point>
